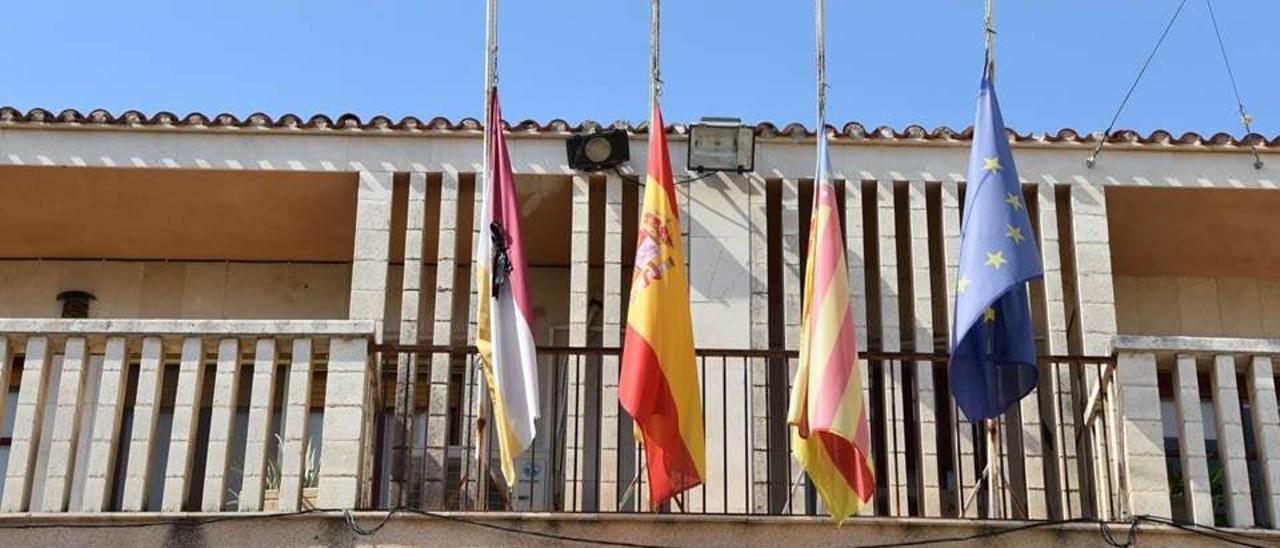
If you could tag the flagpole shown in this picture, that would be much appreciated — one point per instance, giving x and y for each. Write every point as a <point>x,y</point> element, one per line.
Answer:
<point>820,24</point>
<point>490,84</point>
<point>655,68</point>
<point>994,474</point>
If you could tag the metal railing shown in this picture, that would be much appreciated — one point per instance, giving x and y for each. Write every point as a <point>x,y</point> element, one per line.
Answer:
<point>1059,448</point>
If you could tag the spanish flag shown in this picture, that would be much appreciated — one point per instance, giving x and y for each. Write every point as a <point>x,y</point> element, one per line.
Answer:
<point>659,381</point>
<point>505,317</point>
<point>830,436</point>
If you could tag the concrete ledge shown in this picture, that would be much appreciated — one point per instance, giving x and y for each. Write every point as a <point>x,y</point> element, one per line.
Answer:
<point>1195,345</point>
<point>514,529</point>
<point>248,328</point>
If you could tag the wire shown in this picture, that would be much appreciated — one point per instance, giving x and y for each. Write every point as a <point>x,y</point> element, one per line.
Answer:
<point>1093,158</point>
<point>1245,118</point>
<point>1104,528</point>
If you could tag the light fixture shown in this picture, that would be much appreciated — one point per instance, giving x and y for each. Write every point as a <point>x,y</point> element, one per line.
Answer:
<point>598,150</point>
<point>75,304</point>
<point>721,144</point>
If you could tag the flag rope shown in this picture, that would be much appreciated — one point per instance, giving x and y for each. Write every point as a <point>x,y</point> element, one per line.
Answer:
<point>1246,119</point>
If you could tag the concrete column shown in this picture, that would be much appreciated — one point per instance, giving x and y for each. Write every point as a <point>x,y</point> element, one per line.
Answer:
<point>1095,310</point>
<point>1143,435</point>
<point>407,363</point>
<point>922,329</point>
<point>372,247</point>
<point>792,300</point>
<point>259,431</point>
<point>146,412</point>
<point>437,430</point>
<point>611,337</point>
<point>294,454</point>
<point>222,411</point>
<point>575,371</point>
<point>27,420</point>
<point>966,465</point>
<point>1066,493</point>
<point>346,388</point>
<point>186,414</point>
<point>855,254</point>
<point>66,427</point>
<point>106,427</point>
<point>476,393</point>
<point>1266,432</point>
<point>1231,449</point>
<point>758,212</point>
<point>1195,465</point>
<point>891,341</point>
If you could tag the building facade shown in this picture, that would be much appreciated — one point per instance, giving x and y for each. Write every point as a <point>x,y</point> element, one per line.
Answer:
<point>208,314</point>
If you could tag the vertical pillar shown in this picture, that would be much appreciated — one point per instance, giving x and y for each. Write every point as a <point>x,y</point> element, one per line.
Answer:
<point>146,412</point>
<point>966,469</point>
<point>346,386</point>
<point>792,301</point>
<point>1266,432</point>
<point>1195,465</point>
<point>27,421</point>
<point>575,428</point>
<point>259,431</point>
<point>66,427</point>
<point>891,341</point>
<point>1231,449</point>
<point>437,431</point>
<point>1066,493</point>
<point>186,414</point>
<point>757,208</point>
<point>295,452</point>
<point>372,245</point>
<point>922,329</point>
<point>106,427</point>
<point>611,337</point>
<point>226,382</point>
<point>855,253</point>
<point>1143,435</point>
<point>476,395</point>
<point>407,362</point>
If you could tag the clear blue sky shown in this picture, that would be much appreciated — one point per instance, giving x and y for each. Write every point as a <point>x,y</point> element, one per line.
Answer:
<point>1062,63</point>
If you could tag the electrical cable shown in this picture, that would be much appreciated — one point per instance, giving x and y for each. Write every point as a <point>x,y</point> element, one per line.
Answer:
<point>1227,536</point>
<point>1093,158</point>
<point>1245,118</point>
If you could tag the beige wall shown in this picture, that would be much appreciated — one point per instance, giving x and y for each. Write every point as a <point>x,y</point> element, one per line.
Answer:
<point>1217,307</point>
<point>156,289</point>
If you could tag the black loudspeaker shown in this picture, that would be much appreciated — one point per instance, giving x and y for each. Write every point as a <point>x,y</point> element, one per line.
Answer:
<point>599,150</point>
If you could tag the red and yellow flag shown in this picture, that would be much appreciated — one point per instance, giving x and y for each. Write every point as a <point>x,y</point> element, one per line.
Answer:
<point>830,435</point>
<point>659,381</point>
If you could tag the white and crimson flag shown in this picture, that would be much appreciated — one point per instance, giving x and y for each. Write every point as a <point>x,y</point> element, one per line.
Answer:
<point>505,315</point>
<point>830,436</point>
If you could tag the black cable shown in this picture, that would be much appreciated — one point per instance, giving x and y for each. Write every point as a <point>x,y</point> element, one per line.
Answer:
<point>1168,26</point>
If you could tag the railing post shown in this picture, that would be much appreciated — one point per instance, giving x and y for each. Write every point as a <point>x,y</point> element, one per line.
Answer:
<point>346,384</point>
<point>1231,448</point>
<point>1143,435</point>
<point>1195,463</point>
<point>1266,432</point>
<point>27,420</point>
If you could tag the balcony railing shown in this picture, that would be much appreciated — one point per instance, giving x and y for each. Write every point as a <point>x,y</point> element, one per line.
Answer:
<point>178,415</point>
<point>1058,446</point>
<point>248,416</point>
<point>1202,430</point>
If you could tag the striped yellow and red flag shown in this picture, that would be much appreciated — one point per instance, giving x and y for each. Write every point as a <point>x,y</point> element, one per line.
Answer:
<point>659,381</point>
<point>830,435</point>
<point>504,318</point>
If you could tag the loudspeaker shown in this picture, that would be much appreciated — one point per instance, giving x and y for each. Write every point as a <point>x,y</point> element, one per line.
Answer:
<point>599,150</point>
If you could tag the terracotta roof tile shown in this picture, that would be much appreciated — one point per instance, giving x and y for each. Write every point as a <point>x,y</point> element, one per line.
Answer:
<point>349,122</point>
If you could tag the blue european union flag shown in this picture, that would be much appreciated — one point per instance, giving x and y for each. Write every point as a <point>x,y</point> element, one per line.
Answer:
<point>993,351</point>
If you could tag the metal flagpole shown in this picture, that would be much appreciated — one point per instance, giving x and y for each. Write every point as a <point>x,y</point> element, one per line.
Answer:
<point>490,85</point>
<point>993,472</point>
